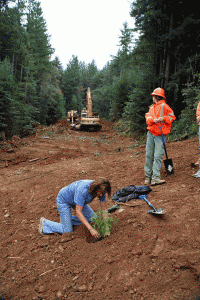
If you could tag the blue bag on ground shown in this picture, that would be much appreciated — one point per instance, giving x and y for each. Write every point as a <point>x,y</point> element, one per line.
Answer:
<point>130,192</point>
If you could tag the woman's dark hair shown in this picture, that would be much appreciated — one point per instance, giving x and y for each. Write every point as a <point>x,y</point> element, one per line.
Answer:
<point>96,185</point>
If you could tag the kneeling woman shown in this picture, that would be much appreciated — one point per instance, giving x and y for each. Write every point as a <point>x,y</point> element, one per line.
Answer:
<point>77,195</point>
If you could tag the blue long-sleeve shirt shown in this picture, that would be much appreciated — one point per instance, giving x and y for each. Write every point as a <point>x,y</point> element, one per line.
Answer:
<point>77,193</point>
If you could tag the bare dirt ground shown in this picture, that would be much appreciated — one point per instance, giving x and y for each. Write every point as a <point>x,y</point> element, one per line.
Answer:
<point>145,257</point>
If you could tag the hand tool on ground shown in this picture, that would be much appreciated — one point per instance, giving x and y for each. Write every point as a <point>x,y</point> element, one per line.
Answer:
<point>158,211</point>
<point>113,208</point>
<point>168,161</point>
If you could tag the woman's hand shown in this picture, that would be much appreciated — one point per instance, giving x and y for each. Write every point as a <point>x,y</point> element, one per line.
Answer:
<point>107,232</point>
<point>85,222</point>
<point>94,233</point>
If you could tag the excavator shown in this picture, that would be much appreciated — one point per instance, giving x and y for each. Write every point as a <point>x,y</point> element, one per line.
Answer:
<point>88,121</point>
<point>72,116</point>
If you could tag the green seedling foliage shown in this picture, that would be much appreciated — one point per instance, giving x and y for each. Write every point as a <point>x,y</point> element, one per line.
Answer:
<point>103,222</point>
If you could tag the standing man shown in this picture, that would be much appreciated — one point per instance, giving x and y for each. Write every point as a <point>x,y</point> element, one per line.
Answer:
<point>197,175</point>
<point>159,115</point>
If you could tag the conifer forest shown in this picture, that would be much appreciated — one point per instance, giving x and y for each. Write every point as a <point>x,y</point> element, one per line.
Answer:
<point>37,90</point>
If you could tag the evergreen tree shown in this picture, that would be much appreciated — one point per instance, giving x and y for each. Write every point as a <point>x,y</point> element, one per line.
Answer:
<point>60,72</point>
<point>168,33</point>
<point>25,56</point>
<point>72,81</point>
<point>122,71</point>
<point>7,86</point>
<point>15,117</point>
<point>52,97</point>
<point>38,59</point>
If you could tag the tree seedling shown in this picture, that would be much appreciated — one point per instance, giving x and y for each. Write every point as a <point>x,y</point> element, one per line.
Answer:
<point>103,223</point>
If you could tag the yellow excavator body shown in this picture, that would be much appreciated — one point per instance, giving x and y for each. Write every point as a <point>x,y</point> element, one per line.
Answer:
<point>89,121</point>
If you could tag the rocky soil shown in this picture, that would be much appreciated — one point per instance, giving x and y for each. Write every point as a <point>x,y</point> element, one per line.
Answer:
<point>145,257</point>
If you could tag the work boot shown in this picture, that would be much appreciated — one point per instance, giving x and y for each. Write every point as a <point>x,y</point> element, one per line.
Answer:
<point>147,181</point>
<point>41,225</point>
<point>157,181</point>
<point>197,175</point>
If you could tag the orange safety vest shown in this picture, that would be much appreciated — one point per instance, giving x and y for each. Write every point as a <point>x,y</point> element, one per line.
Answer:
<point>198,113</point>
<point>160,109</point>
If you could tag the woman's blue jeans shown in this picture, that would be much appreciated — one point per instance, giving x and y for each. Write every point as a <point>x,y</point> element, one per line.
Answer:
<point>67,220</point>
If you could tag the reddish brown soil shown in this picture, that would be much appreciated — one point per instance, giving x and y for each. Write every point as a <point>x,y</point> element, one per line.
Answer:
<point>145,257</point>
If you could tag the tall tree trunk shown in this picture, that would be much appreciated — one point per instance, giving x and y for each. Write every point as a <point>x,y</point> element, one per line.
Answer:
<point>167,66</point>
<point>13,61</point>
<point>21,74</point>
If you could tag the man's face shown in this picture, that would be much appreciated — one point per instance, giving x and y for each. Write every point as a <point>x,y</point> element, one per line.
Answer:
<point>154,99</point>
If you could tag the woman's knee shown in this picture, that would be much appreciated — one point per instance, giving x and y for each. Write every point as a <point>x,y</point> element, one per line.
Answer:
<point>67,230</point>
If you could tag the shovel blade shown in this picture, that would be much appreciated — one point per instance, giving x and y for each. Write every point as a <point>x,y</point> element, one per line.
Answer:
<point>158,211</point>
<point>169,166</point>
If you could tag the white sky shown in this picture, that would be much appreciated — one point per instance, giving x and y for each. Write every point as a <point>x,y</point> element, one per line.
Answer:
<point>88,29</point>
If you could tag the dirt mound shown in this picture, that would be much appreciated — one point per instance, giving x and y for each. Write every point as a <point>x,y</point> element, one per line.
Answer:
<point>145,257</point>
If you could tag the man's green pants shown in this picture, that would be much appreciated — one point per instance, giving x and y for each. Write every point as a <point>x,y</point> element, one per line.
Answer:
<point>154,156</point>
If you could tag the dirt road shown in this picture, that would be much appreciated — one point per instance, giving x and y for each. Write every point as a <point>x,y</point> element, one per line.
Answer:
<point>145,257</point>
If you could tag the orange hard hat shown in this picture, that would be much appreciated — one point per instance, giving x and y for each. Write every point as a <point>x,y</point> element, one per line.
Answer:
<point>159,92</point>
